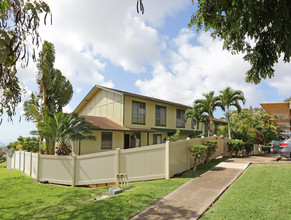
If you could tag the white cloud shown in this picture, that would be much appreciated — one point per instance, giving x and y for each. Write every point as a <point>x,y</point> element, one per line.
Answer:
<point>282,79</point>
<point>108,29</point>
<point>193,70</point>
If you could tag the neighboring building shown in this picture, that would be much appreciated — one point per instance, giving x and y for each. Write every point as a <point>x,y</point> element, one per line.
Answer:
<point>126,120</point>
<point>281,112</point>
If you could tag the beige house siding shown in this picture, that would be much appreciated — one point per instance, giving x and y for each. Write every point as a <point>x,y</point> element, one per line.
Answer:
<point>105,104</point>
<point>171,115</point>
<point>89,147</point>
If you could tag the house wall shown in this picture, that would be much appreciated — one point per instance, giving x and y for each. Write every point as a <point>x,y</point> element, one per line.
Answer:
<point>150,115</point>
<point>89,147</point>
<point>105,104</point>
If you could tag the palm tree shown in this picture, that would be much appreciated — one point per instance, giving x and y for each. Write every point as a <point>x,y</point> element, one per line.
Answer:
<point>196,116</point>
<point>63,128</point>
<point>45,65</point>
<point>208,106</point>
<point>60,93</point>
<point>230,97</point>
<point>32,112</point>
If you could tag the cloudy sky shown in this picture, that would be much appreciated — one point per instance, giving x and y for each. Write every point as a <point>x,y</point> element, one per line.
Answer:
<point>108,43</point>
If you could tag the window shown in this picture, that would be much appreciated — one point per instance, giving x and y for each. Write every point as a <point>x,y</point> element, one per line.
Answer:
<point>160,115</point>
<point>106,140</point>
<point>138,112</point>
<point>180,118</point>
<point>157,139</point>
<point>193,124</point>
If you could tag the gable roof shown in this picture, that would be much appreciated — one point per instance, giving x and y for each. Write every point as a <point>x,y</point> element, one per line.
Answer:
<point>96,88</point>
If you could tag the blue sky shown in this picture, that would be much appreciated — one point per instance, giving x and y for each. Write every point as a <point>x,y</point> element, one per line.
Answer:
<point>107,43</point>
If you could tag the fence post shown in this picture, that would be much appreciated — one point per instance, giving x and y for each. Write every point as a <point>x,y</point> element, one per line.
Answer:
<point>14,155</point>
<point>20,160</point>
<point>117,164</point>
<point>37,167</point>
<point>23,167</point>
<point>188,154</point>
<point>167,159</point>
<point>74,169</point>
<point>30,170</point>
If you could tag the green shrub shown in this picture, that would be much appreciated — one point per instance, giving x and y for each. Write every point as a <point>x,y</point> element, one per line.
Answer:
<point>211,148</point>
<point>174,137</point>
<point>249,147</point>
<point>199,153</point>
<point>235,146</point>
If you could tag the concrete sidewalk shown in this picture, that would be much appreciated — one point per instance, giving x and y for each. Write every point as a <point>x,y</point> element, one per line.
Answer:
<point>191,199</point>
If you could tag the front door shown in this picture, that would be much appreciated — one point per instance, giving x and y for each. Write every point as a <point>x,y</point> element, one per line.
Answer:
<point>126,141</point>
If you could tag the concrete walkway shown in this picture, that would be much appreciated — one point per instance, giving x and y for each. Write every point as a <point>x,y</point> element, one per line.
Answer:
<point>193,198</point>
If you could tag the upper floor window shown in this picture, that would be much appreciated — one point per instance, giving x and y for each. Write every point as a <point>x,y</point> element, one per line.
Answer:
<point>160,115</point>
<point>138,112</point>
<point>180,118</point>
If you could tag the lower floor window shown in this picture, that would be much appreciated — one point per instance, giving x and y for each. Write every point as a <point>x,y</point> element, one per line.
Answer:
<point>106,140</point>
<point>157,139</point>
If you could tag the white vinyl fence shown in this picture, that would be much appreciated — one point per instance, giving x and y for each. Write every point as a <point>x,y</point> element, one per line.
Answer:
<point>143,163</point>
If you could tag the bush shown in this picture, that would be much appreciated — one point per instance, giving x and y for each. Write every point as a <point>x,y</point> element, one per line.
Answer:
<point>235,146</point>
<point>249,147</point>
<point>199,153</point>
<point>211,148</point>
<point>175,137</point>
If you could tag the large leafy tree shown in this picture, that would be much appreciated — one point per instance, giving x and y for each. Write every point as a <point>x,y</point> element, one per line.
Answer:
<point>24,143</point>
<point>19,23</point>
<point>208,106</point>
<point>62,128</point>
<point>230,97</point>
<point>254,125</point>
<point>260,29</point>
<point>55,91</point>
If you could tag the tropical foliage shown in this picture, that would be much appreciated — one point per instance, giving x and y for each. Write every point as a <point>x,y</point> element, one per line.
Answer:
<point>254,126</point>
<point>211,148</point>
<point>174,137</point>
<point>30,144</point>
<point>265,23</point>
<point>230,97</point>
<point>19,23</point>
<point>55,91</point>
<point>207,106</point>
<point>235,147</point>
<point>63,128</point>
<point>198,152</point>
<point>197,116</point>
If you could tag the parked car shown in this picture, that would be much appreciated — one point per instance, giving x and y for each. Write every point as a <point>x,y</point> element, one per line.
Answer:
<point>275,146</point>
<point>285,148</point>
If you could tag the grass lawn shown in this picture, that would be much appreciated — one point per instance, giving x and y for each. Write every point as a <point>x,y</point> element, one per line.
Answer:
<point>262,192</point>
<point>23,198</point>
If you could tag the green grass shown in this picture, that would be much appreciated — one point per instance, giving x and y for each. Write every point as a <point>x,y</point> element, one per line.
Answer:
<point>23,198</point>
<point>262,192</point>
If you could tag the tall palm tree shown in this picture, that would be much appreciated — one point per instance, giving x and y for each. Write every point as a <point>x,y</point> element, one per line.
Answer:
<point>33,112</point>
<point>45,64</point>
<point>196,116</point>
<point>230,97</point>
<point>60,93</point>
<point>63,128</point>
<point>208,106</point>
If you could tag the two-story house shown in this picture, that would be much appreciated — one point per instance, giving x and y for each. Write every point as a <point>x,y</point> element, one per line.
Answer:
<point>125,120</point>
